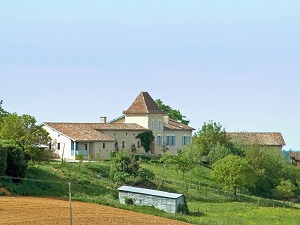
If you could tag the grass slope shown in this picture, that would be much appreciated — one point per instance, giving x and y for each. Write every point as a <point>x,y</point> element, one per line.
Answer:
<point>208,204</point>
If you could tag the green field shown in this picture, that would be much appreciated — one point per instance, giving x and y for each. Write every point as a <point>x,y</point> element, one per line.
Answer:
<point>207,203</point>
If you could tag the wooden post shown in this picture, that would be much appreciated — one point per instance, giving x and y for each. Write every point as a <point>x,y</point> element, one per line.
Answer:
<point>70,198</point>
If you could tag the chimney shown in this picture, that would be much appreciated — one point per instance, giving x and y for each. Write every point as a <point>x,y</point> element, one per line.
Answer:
<point>166,119</point>
<point>103,119</point>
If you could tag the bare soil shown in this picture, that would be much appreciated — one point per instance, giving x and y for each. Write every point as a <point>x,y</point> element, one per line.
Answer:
<point>33,210</point>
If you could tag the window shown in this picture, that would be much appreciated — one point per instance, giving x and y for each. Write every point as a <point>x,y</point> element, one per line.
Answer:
<point>123,144</point>
<point>85,146</point>
<point>186,140</point>
<point>72,148</point>
<point>158,140</point>
<point>58,146</point>
<point>167,140</point>
<point>152,125</point>
<point>138,144</point>
<point>103,145</point>
<point>159,125</point>
<point>172,140</point>
<point>50,145</point>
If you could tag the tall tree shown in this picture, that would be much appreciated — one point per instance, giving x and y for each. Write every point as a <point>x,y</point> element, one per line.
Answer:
<point>210,138</point>
<point>172,113</point>
<point>26,133</point>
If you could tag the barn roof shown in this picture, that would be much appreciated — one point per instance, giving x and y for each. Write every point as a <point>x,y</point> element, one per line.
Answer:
<point>261,138</point>
<point>149,192</point>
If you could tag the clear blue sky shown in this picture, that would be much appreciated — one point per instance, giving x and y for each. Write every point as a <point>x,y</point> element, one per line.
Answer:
<point>234,62</point>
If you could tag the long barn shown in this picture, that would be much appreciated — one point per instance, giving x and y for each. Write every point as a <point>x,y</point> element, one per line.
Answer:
<point>162,200</point>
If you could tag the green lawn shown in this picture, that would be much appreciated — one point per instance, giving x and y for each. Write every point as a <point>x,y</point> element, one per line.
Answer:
<point>207,204</point>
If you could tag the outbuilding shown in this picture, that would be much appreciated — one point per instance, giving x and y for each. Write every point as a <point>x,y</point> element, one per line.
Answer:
<point>162,200</point>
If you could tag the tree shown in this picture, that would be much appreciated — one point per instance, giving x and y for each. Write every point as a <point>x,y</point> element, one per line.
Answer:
<point>268,165</point>
<point>233,173</point>
<point>209,137</point>
<point>182,161</point>
<point>3,113</point>
<point>27,134</point>
<point>218,152</point>
<point>172,113</point>
<point>285,190</point>
<point>123,166</point>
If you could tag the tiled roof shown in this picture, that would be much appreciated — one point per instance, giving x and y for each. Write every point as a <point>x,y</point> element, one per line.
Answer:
<point>174,125</point>
<point>261,138</point>
<point>295,156</point>
<point>80,131</point>
<point>120,126</point>
<point>91,131</point>
<point>143,104</point>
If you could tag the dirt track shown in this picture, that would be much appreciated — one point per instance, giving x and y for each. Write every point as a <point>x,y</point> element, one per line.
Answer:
<point>30,210</point>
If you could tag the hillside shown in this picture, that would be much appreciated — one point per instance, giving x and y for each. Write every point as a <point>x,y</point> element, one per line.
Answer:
<point>207,203</point>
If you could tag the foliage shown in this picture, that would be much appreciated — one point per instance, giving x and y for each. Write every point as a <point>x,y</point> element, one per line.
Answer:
<point>133,148</point>
<point>182,161</point>
<point>27,134</point>
<point>218,152</point>
<point>285,190</point>
<point>172,113</point>
<point>146,174</point>
<point>268,166</point>
<point>146,139</point>
<point>3,159</point>
<point>209,137</point>
<point>129,201</point>
<point>3,113</point>
<point>207,204</point>
<point>233,172</point>
<point>16,163</point>
<point>123,165</point>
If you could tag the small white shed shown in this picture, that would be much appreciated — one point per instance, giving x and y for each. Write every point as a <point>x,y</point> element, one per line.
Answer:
<point>166,201</point>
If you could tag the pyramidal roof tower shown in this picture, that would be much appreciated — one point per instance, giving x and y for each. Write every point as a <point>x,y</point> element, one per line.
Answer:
<point>143,104</point>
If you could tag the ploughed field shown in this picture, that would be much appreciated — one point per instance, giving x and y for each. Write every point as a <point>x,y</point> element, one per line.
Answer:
<point>34,210</point>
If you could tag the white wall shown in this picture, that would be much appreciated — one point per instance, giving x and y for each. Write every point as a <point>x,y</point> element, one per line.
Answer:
<point>166,204</point>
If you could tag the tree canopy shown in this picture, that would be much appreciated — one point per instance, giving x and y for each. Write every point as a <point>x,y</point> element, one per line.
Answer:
<point>172,113</point>
<point>210,138</point>
<point>3,112</point>
<point>233,173</point>
<point>26,133</point>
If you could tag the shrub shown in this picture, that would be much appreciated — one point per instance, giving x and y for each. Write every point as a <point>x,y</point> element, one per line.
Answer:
<point>146,174</point>
<point>3,160</point>
<point>145,158</point>
<point>16,163</point>
<point>129,201</point>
